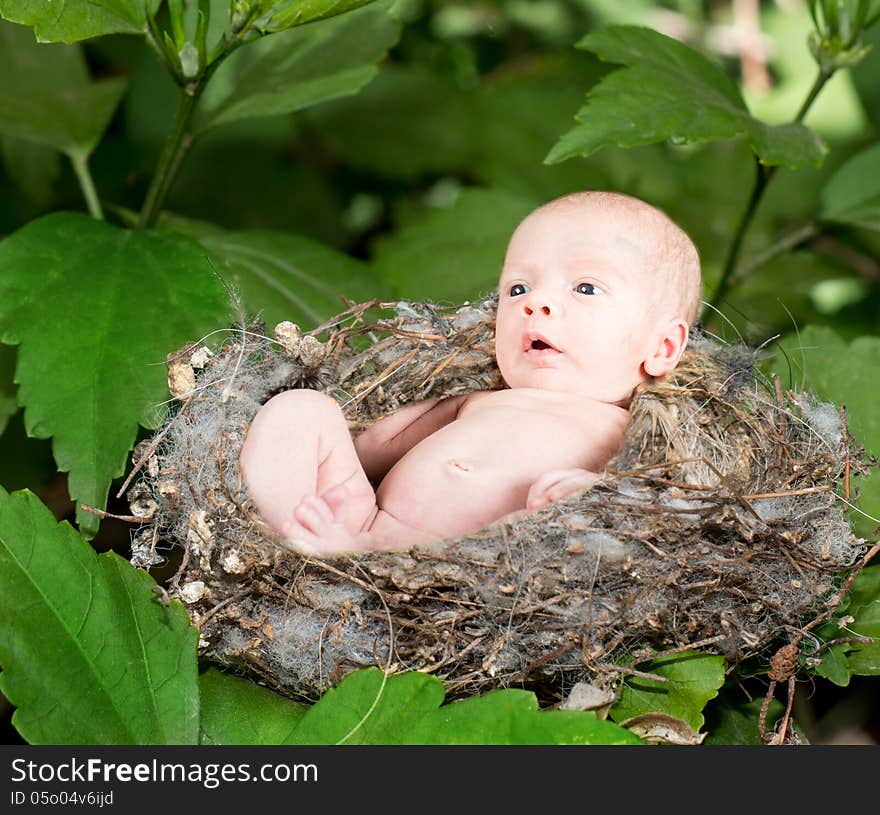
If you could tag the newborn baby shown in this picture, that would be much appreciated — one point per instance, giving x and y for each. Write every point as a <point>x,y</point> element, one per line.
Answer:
<point>597,294</point>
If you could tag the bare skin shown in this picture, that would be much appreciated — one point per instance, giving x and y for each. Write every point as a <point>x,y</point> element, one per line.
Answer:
<point>578,327</point>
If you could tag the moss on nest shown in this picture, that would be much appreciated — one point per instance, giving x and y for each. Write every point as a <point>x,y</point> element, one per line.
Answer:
<point>716,526</point>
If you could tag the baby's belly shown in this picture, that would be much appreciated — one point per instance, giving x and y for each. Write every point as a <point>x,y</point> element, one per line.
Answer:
<point>449,495</point>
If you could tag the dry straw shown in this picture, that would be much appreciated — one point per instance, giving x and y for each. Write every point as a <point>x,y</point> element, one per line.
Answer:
<point>717,526</point>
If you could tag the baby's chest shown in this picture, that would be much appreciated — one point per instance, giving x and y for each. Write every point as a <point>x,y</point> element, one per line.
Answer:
<point>514,441</point>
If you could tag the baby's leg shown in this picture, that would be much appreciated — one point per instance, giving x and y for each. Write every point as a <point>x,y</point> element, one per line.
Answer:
<point>299,446</point>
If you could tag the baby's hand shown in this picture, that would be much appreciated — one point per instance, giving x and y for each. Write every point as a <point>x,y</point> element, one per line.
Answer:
<point>556,484</point>
<point>318,524</point>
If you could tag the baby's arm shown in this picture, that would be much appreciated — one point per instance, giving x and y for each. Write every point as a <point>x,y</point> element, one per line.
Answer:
<point>382,444</point>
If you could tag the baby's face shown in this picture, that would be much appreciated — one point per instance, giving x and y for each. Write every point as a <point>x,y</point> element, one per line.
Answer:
<point>575,304</point>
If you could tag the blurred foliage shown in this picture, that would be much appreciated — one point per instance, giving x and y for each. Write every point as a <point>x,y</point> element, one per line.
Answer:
<point>386,149</point>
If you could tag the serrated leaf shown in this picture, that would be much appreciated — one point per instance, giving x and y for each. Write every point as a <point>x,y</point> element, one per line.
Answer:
<point>95,310</point>
<point>453,253</point>
<point>283,276</point>
<point>89,654</point>
<point>300,67</point>
<point>819,360</point>
<point>8,402</point>
<point>290,13</point>
<point>671,91</point>
<point>859,616</point>
<point>236,711</point>
<point>692,679</point>
<point>72,20</point>
<point>852,194</point>
<point>48,97</point>
<point>406,709</point>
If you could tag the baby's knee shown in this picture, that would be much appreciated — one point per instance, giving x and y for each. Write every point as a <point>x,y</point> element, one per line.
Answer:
<point>302,405</point>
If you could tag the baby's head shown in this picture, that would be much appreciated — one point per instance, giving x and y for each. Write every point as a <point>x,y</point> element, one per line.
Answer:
<point>597,294</point>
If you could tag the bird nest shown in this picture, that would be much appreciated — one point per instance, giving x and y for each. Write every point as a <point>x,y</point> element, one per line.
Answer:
<point>716,526</point>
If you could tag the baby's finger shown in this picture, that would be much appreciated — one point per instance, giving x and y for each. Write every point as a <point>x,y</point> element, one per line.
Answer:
<point>299,539</point>
<point>567,486</point>
<point>308,513</point>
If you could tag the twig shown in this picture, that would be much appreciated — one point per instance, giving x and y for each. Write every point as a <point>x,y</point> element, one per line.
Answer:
<point>152,448</point>
<point>101,513</point>
<point>678,649</point>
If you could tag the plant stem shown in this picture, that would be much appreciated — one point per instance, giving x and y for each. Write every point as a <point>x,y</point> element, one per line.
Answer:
<point>821,78</point>
<point>176,146</point>
<point>80,164</point>
<point>783,245</point>
<point>763,176</point>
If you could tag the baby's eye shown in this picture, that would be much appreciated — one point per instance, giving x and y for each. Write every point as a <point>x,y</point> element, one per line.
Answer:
<point>517,289</point>
<point>588,288</point>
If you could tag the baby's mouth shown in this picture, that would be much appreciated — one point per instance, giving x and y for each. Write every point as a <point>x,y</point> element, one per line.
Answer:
<point>533,342</point>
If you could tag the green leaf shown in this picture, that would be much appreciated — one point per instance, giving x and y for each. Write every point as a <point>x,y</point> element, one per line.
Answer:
<point>8,402</point>
<point>89,654</point>
<point>95,310</point>
<point>283,276</point>
<point>516,119</point>
<point>71,20</point>
<point>858,617</point>
<point>300,67</point>
<point>453,253</point>
<point>236,711</point>
<point>731,719</point>
<point>670,91</point>
<point>290,13</point>
<point>819,360</point>
<point>409,122</point>
<point>692,679</point>
<point>406,709</point>
<point>852,194</point>
<point>33,167</point>
<point>48,97</point>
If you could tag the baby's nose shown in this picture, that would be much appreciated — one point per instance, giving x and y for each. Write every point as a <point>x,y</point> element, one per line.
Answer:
<point>542,305</point>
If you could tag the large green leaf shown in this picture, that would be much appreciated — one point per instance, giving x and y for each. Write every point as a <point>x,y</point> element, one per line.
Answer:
<point>47,95</point>
<point>95,310</point>
<point>819,360</point>
<point>406,709</point>
<point>852,194</point>
<point>89,654</point>
<point>692,679</point>
<point>282,276</point>
<point>302,66</point>
<point>8,402</point>
<point>670,91</point>
<point>859,616</point>
<point>453,253</point>
<point>236,711</point>
<point>71,20</point>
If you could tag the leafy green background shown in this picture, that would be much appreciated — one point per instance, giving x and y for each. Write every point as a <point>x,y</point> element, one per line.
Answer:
<point>387,149</point>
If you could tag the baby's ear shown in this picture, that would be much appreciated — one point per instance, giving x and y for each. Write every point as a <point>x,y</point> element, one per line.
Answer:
<point>668,349</point>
